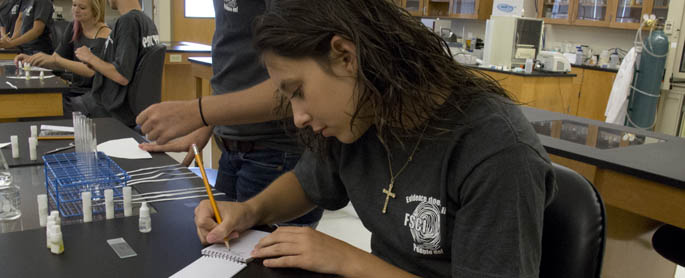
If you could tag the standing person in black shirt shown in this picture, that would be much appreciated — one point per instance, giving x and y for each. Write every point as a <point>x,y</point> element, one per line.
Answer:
<point>34,36</point>
<point>9,11</point>
<point>133,34</point>
<point>88,29</point>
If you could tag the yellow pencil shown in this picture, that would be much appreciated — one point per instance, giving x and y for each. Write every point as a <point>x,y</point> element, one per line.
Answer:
<point>65,137</point>
<point>198,161</point>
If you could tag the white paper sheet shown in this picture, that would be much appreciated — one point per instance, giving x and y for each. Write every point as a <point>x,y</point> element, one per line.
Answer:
<point>126,148</point>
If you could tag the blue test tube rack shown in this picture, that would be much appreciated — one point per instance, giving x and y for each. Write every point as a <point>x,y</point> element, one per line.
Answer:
<point>69,174</point>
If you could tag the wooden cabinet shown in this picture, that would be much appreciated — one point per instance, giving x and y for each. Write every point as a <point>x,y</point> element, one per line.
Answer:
<point>556,11</point>
<point>621,14</point>
<point>473,9</point>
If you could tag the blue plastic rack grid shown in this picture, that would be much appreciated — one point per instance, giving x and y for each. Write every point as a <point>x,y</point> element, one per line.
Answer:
<point>69,174</point>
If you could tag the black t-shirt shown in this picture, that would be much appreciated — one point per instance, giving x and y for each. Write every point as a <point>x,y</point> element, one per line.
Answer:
<point>9,11</point>
<point>80,84</point>
<point>469,204</point>
<point>131,38</point>
<point>37,10</point>
<point>237,66</point>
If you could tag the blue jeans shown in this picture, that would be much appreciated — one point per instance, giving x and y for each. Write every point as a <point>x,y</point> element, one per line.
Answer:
<point>243,175</point>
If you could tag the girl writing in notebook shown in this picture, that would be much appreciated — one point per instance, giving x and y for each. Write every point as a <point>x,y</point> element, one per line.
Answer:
<point>439,164</point>
<point>89,29</point>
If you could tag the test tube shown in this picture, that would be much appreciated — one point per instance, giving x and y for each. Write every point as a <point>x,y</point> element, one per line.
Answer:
<point>15,146</point>
<point>34,131</point>
<point>127,201</point>
<point>42,209</point>
<point>86,206</point>
<point>109,203</point>
<point>33,141</point>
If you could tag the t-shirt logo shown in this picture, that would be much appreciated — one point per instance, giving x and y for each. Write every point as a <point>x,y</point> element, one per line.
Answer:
<point>231,6</point>
<point>15,9</point>
<point>424,224</point>
<point>150,41</point>
<point>27,11</point>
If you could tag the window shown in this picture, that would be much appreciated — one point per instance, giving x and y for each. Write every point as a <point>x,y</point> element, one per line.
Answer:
<point>199,8</point>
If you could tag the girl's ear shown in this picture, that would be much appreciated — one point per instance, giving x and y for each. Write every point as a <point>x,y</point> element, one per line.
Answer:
<point>344,55</point>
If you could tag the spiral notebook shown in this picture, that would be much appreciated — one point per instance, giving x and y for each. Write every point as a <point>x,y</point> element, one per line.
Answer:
<point>218,261</point>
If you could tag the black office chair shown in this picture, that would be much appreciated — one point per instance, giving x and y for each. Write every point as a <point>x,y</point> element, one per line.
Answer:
<point>669,242</point>
<point>57,30</point>
<point>146,87</point>
<point>574,229</point>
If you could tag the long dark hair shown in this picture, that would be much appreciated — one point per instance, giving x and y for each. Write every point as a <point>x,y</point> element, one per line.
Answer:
<point>404,68</point>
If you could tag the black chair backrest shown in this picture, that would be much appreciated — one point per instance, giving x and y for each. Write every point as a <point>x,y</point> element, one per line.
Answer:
<point>57,30</point>
<point>146,87</point>
<point>574,230</point>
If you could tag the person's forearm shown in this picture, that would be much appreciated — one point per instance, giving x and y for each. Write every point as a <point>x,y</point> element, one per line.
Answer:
<point>73,66</point>
<point>29,36</point>
<point>17,26</point>
<point>230,108</point>
<point>365,264</point>
<point>108,70</point>
<point>3,32</point>
<point>281,201</point>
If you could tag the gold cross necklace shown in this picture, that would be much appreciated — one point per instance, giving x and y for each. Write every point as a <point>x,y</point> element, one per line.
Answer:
<point>388,191</point>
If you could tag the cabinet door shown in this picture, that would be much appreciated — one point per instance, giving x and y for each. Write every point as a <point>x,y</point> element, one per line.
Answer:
<point>659,8</point>
<point>593,12</point>
<point>556,11</point>
<point>627,13</point>
<point>437,7</point>
<point>465,8</point>
<point>414,7</point>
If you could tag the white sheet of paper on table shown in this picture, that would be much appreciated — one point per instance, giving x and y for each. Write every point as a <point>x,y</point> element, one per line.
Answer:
<point>126,148</point>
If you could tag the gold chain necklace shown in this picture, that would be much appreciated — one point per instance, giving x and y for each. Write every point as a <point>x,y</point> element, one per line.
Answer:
<point>388,191</point>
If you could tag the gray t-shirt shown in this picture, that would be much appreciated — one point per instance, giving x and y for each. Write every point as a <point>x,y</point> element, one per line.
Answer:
<point>37,10</point>
<point>80,84</point>
<point>9,11</point>
<point>470,204</point>
<point>131,38</point>
<point>237,66</point>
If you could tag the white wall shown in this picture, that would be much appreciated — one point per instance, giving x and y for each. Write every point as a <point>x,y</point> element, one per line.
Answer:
<point>163,19</point>
<point>597,38</point>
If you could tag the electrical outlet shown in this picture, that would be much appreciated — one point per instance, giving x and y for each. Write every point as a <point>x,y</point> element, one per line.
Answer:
<point>175,58</point>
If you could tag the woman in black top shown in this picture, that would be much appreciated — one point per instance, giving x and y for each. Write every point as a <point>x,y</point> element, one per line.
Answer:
<point>88,29</point>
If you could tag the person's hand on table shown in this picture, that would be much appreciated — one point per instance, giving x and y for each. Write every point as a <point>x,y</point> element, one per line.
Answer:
<point>6,43</point>
<point>199,137</point>
<point>306,248</point>
<point>21,58</point>
<point>164,121</point>
<point>237,217</point>
<point>41,59</point>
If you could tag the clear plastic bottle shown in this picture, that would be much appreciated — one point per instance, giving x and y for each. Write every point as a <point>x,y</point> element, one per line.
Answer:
<point>144,221</point>
<point>10,197</point>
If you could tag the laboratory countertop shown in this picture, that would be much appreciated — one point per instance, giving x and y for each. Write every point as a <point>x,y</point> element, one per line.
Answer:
<point>533,74</point>
<point>11,76</point>
<point>648,155</point>
<point>171,245</point>
<point>9,50</point>
<point>207,61</point>
<point>182,46</point>
<point>589,67</point>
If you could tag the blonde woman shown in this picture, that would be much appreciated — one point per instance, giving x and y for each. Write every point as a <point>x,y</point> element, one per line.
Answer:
<point>88,29</point>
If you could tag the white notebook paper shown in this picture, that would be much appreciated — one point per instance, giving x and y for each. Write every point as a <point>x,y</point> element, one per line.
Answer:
<point>219,262</point>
